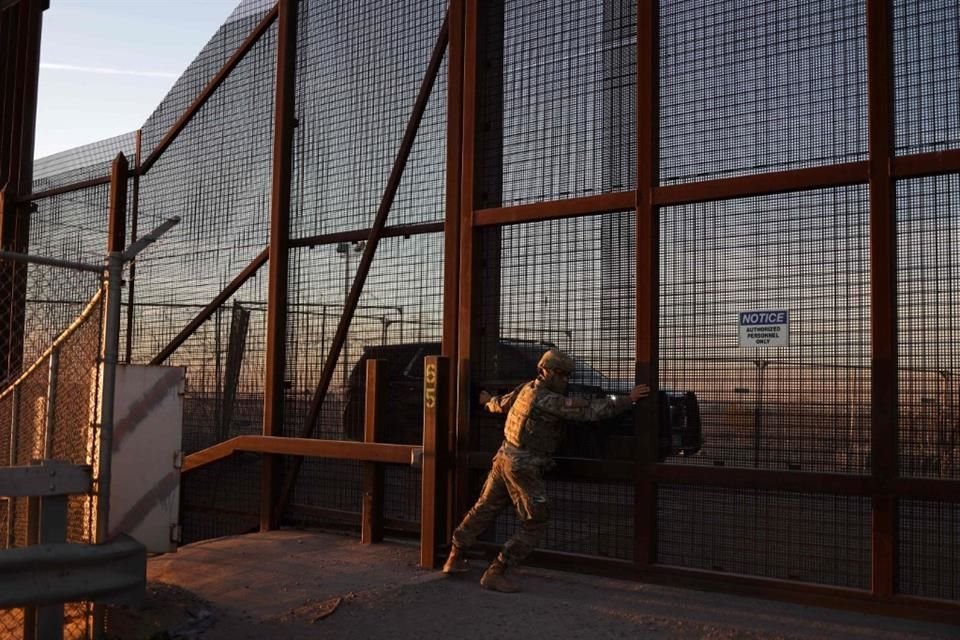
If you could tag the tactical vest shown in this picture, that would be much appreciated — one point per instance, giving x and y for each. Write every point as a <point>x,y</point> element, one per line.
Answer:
<point>530,428</point>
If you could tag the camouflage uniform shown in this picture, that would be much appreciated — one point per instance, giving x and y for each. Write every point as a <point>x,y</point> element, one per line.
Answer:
<point>535,416</point>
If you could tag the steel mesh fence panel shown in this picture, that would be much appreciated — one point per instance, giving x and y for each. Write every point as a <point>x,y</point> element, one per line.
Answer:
<point>804,406</point>
<point>926,55</point>
<point>564,283</point>
<point>397,321</point>
<point>928,288</point>
<point>748,88</point>
<point>927,551</point>
<point>221,499</point>
<point>216,177</point>
<point>208,62</point>
<point>359,68</point>
<point>80,164</point>
<point>587,518</point>
<point>223,399</point>
<point>567,99</point>
<point>805,537</point>
<point>401,494</point>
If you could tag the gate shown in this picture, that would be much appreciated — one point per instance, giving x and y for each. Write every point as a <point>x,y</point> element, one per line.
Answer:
<point>637,174</point>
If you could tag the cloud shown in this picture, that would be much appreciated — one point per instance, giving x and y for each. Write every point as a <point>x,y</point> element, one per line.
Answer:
<point>107,70</point>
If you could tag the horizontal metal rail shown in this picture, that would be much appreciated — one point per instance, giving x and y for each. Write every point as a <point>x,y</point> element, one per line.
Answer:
<point>50,478</point>
<point>54,573</point>
<point>306,447</point>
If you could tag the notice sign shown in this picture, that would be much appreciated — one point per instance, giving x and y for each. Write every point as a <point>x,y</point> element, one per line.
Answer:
<point>764,328</point>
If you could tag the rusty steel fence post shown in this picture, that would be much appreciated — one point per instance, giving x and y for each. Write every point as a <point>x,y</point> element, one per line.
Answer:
<point>279,253</point>
<point>647,243</point>
<point>883,299</point>
<point>371,516</point>
<point>436,398</point>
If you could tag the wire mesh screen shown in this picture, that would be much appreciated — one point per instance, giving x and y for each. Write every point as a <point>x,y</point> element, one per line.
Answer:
<point>588,518</point>
<point>223,399</point>
<point>564,283</point>
<point>927,551</point>
<point>69,227</point>
<point>566,97</point>
<point>208,62</point>
<point>221,499</point>
<point>805,406</point>
<point>928,288</point>
<point>216,176</point>
<point>82,163</point>
<point>926,43</point>
<point>754,87</point>
<point>398,321</point>
<point>804,537</point>
<point>50,413</point>
<point>88,162</point>
<point>359,69</point>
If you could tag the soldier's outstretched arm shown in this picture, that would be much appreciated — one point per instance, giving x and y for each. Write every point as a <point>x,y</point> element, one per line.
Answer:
<point>583,410</point>
<point>499,404</point>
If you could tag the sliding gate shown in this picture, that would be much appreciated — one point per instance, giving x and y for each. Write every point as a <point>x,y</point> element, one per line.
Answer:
<point>634,178</point>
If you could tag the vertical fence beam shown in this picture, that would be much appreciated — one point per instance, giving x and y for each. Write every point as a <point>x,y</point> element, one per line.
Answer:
<point>134,219</point>
<point>446,450</point>
<point>465,323</point>
<point>883,296</point>
<point>284,124</point>
<point>647,280</point>
<point>24,25</point>
<point>111,347</point>
<point>12,461</point>
<point>436,396</point>
<point>50,528</point>
<point>369,251</point>
<point>371,517</point>
<point>8,59</point>
<point>111,339</point>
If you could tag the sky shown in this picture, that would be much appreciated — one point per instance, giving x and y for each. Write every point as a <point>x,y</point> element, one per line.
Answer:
<point>105,65</point>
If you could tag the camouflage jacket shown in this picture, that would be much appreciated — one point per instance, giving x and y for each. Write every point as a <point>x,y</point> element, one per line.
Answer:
<point>535,415</point>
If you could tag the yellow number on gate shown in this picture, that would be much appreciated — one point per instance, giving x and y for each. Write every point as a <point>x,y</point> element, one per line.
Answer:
<point>430,386</point>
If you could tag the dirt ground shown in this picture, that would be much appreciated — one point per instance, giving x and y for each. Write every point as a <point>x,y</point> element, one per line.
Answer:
<point>297,585</point>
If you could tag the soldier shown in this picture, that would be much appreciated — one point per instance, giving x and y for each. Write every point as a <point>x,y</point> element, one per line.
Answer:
<point>535,413</point>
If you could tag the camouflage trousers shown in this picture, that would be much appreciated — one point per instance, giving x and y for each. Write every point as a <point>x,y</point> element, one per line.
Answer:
<point>518,478</point>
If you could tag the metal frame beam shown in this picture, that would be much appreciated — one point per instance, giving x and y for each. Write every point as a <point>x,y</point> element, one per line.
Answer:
<point>284,121</point>
<point>369,250</point>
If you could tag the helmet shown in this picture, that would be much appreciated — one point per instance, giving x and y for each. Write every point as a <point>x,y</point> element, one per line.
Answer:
<point>556,360</point>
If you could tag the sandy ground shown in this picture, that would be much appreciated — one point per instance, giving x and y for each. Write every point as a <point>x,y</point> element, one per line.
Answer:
<point>294,584</point>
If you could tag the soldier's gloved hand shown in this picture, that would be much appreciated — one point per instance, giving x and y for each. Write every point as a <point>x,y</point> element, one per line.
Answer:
<point>638,392</point>
<point>484,396</point>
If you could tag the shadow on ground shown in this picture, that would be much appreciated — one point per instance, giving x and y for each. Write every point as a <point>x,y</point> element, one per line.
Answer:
<point>294,584</point>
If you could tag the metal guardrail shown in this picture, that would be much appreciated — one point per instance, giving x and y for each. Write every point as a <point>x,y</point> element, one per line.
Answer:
<point>49,572</point>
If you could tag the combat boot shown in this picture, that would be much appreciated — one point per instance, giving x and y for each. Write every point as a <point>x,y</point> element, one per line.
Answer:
<point>495,579</point>
<point>456,561</point>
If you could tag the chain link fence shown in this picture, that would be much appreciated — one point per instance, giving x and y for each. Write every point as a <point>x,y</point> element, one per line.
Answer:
<point>48,410</point>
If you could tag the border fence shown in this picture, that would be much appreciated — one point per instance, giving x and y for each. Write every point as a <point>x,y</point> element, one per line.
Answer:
<point>619,178</point>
